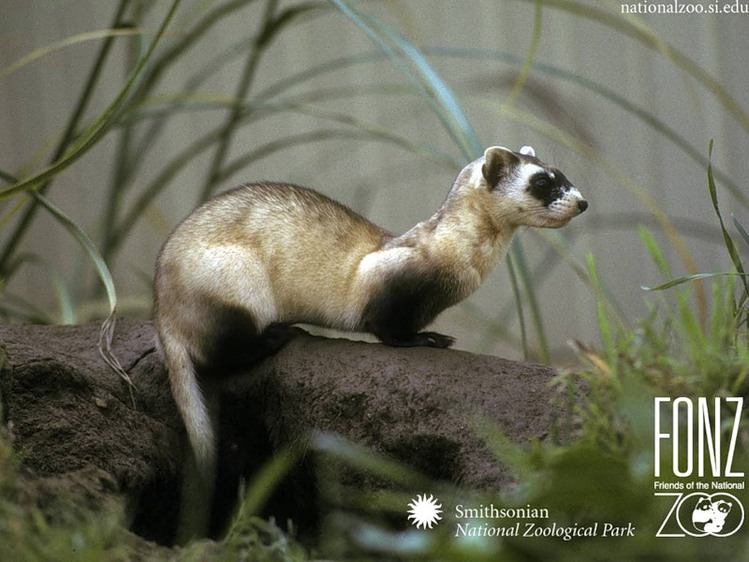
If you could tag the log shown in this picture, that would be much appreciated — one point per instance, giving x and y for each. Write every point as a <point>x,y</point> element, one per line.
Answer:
<point>70,416</point>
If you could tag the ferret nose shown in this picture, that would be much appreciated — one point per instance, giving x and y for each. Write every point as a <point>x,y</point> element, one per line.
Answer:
<point>582,205</point>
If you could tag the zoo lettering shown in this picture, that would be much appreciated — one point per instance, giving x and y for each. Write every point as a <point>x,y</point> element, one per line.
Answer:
<point>709,436</point>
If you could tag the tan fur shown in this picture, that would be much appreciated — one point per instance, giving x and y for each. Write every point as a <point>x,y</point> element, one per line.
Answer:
<point>284,254</point>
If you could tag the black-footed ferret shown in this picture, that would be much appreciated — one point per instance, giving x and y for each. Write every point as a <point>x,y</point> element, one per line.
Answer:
<point>271,253</point>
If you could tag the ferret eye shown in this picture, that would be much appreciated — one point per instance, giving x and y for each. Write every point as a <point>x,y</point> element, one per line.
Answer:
<point>542,182</point>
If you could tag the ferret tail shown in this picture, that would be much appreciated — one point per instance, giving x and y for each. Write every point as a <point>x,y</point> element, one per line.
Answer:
<point>193,406</point>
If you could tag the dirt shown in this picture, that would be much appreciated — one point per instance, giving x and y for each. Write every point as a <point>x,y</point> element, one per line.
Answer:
<point>77,429</point>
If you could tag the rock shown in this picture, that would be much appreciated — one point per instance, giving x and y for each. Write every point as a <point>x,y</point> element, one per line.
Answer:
<point>69,413</point>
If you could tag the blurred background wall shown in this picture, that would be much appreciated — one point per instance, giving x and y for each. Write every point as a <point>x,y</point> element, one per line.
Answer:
<point>594,70</point>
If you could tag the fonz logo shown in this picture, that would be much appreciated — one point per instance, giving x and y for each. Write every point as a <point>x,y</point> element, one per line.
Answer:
<point>699,514</point>
<point>698,436</point>
<point>702,437</point>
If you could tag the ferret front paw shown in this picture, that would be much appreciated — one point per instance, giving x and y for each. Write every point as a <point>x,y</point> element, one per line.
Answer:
<point>421,339</point>
<point>433,339</point>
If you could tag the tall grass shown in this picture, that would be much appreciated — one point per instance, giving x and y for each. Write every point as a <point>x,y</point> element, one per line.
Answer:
<point>140,115</point>
<point>693,342</point>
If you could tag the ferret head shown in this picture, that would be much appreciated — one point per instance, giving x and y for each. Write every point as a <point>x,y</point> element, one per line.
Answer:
<point>524,190</point>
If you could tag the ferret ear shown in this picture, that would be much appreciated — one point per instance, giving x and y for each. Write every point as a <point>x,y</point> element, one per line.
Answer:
<point>527,151</point>
<point>497,161</point>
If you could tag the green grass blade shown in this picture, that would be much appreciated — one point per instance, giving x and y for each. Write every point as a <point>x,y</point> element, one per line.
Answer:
<point>360,457</point>
<point>7,177</point>
<point>266,27</point>
<point>741,229</point>
<point>517,295</point>
<point>262,487</point>
<point>559,247</point>
<point>526,280</point>
<point>86,244</point>
<point>745,236</point>
<point>89,138</point>
<point>69,133</point>
<point>664,221</point>
<point>22,310</point>
<point>131,159</point>
<point>164,60</point>
<point>164,178</point>
<point>317,71</point>
<point>728,241</point>
<point>696,277</point>
<point>363,134</point>
<point>604,324</point>
<point>65,300</point>
<point>64,43</point>
<point>253,111</point>
<point>636,29</point>
<point>556,73</point>
<point>107,331</point>
<point>614,97</point>
<point>527,66</point>
<point>512,455</point>
<point>414,65</point>
<point>655,251</point>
